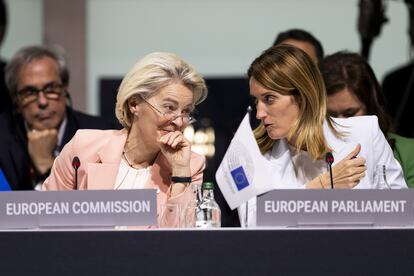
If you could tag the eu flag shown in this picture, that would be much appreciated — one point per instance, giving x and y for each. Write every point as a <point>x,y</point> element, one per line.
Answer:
<point>240,178</point>
<point>4,184</point>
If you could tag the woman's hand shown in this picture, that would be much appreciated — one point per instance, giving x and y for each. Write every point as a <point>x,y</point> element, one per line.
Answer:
<point>177,150</point>
<point>346,174</point>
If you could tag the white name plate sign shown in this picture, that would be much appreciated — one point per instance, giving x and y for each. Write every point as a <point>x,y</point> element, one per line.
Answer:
<point>103,208</point>
<point>305,208</point>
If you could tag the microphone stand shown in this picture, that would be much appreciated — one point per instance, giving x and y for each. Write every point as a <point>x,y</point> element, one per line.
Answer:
<point>76,178</point>
<point>76,165</point>
<point>329,159</point>
<point>330,174</point>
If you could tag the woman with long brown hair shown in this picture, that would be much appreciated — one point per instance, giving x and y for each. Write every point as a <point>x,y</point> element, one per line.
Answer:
<point>295,132</point>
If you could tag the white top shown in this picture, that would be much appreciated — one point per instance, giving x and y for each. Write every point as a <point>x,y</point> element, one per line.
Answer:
<point>130,178</point>
<point>291,170</point>
<point>305,168</point>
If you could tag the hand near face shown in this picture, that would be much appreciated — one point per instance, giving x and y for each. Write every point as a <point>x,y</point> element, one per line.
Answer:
<point>41,144</point>
<point>177,149</point>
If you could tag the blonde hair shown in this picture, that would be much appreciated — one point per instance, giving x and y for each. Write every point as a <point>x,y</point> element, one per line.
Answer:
<point>150,74</point>
<point>289,71</point>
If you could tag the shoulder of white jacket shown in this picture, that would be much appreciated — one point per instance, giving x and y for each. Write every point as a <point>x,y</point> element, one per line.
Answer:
<point>357,121</point>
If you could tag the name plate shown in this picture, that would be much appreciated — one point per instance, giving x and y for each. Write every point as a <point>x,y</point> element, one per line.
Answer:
<point>302,208</point>
<point>103,208</point>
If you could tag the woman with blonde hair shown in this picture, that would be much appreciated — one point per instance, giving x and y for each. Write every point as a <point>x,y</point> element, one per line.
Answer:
<point>154,104</point>
<point>295,132</point>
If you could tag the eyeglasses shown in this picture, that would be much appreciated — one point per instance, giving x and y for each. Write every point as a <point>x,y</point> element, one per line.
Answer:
<point>31,94</point>
<point>171,115</point>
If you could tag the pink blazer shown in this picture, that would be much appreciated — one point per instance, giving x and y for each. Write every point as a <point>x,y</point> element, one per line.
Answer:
<point>100,153</point>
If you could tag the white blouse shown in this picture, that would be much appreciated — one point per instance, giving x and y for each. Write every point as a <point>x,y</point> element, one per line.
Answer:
<point>131,178</point>
<point>303,166</point>
<point>298,171</point>
<point>306,169</point>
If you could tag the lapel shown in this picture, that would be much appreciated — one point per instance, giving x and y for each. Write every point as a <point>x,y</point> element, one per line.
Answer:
<point>102,174</point>
<point>341,147</point>
<point>160,174</point>
<point>70,128</point>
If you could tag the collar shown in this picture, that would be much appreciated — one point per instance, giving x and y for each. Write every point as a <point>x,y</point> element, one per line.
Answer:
<point>337,144</point>
<point>61,131</point>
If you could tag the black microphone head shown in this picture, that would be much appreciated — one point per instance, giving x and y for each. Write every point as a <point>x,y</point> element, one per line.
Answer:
<point>75,162</point>
<point>329,158</point>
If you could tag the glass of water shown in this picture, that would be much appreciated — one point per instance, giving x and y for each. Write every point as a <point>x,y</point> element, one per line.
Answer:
<point>380,177</point>
<point>169,216</point>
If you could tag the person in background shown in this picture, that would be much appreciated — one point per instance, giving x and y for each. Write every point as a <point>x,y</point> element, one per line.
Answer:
<point>42,121</point>
<point>296,133</point>
<point>310,45</point>
<point>353,90</point>
<point>398,86</point>
<point>303,40</point>
<point>154,104</point>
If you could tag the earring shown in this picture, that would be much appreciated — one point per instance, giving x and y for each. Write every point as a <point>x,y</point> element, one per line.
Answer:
<point>135,113</point>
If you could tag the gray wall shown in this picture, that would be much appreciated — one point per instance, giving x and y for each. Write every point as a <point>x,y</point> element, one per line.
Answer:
<point>25,25</point>
<point>219,37</point>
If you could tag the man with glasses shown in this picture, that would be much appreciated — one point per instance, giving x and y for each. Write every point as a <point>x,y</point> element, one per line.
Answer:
<point>42,121</point>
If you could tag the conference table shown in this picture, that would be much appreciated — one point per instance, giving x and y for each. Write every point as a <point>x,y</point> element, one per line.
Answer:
<point>224,251</point>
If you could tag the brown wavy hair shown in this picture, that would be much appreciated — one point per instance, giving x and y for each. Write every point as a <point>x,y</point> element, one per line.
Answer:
<point>289,71</point>
<point>350,70</point>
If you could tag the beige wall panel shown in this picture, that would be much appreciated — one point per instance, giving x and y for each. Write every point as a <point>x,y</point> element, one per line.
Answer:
<point>64,25</point>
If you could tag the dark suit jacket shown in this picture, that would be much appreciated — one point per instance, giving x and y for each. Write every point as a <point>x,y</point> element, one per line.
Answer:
<point>14,156</point>
<point>5,99</point>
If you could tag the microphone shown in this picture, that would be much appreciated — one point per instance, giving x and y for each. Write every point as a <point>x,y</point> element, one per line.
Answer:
<point>76,165</point>
<point>329,159</point>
